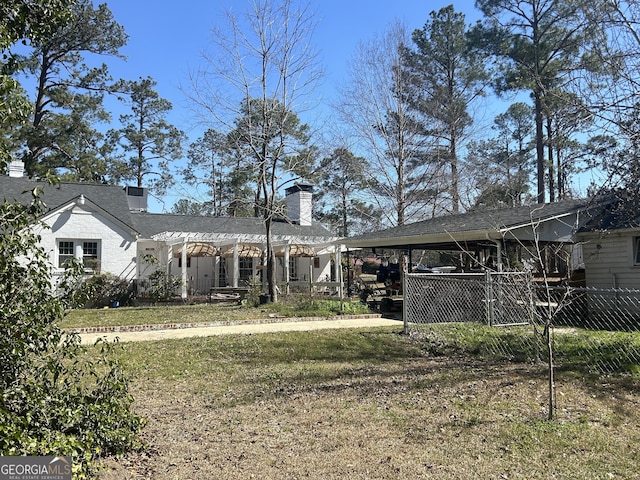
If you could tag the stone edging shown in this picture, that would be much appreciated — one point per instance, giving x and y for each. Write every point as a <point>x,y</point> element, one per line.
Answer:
<point>177,326</point>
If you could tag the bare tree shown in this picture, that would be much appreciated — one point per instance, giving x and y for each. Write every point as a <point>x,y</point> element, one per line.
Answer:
<point>372,104</point>
<point>257,76</point>
<point>612,94</point>
<point>544,258</point>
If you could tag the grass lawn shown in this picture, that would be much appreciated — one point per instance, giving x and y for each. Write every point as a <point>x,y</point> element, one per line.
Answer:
<point>206,313</point>
<point>368,404</point>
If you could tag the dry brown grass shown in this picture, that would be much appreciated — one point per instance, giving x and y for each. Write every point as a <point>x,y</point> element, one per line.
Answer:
<point>367,405</point>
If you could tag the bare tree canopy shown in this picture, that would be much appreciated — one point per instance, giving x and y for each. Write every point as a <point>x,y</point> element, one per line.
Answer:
<point>372,105</point>
<point>255,80</point>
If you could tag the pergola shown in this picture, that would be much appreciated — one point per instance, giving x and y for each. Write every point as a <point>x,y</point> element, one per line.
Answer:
<point>237,245</point>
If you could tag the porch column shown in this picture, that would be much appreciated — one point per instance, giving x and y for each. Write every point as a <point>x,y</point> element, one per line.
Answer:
<point>338,269</point>
<point>498,255</point>
<point>236,266</point>
<point>169,259</point>
<point>184,269</point>
<point>263,269</point>
<point>287,273</point>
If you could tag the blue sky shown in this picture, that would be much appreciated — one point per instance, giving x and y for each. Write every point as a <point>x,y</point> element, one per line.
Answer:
<point>166,39</point>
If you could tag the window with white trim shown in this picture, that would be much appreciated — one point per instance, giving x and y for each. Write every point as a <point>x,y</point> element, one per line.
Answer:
<point>90,255</point>
<point>636,251</point>
<point>85,251</point>
<point>65,252</point>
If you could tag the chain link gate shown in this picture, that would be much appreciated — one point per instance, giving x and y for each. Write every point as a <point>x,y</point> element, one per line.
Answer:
<point>492,298</point>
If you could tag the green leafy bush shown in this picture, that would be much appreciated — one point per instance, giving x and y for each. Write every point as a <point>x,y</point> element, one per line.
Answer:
<point>58,397</point>
<point>103,290</point>
<point>162,286</point>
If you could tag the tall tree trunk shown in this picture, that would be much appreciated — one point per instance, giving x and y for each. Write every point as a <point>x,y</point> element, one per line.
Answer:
<point>272,284</point>
<point>455,195</point>
<point>560,175</point>
<point>33,154</point>
<point>552,177</point>
<point>400,193</point>
<point>345,229</point>
<point>540,170</point>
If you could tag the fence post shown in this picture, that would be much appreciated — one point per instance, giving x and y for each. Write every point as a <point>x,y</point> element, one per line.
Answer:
<point>489,297</point>
<point>405,299</point>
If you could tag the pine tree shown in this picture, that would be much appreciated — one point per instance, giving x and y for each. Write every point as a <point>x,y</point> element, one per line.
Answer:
<point>145,144</point>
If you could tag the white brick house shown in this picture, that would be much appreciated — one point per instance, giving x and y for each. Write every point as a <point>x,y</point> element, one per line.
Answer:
<point>80,228</point>
<point>108,228</point>
<point>611,245</point>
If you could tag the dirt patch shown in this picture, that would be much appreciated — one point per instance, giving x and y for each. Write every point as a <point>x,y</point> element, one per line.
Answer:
<point>437,418</point>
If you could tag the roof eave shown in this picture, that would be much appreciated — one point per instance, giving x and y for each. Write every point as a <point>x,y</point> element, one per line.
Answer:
<point>87,201</point>
<point>434,238</point>
<point>536,221</point>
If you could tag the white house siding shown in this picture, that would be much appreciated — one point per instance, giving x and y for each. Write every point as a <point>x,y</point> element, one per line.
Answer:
<point>116,245</point>
<point>200,274</point>
<point>609,260</point>
<point>149,259</point>
<point>323,273</point>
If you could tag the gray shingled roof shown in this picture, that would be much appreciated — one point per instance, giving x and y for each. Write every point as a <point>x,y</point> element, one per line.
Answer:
<point>466,226</point>
<point>114,200</point>
<point>620,214</point>
<point>109,197</point>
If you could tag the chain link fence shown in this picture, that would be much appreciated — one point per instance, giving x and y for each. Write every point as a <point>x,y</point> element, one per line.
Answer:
<point>504,315</point>
<point>490,298</point>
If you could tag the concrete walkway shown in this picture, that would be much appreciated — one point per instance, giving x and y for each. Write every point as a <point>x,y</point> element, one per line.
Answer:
<point>250,328</point>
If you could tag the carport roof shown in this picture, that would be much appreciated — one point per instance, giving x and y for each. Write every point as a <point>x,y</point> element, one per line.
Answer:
<point>448,232</point>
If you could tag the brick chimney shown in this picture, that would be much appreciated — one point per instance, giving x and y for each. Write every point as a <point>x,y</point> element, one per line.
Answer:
<point>299,199</point>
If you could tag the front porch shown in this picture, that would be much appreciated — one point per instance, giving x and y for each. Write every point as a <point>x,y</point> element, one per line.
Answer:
<point>207,262</point>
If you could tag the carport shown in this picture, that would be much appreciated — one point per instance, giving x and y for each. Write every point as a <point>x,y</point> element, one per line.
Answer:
<point>483,236</point>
